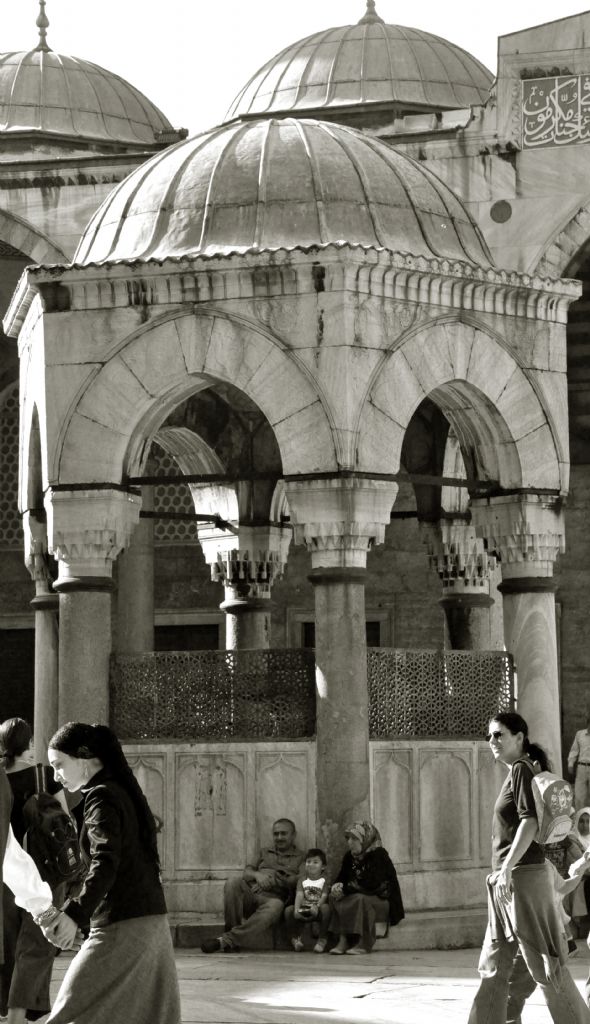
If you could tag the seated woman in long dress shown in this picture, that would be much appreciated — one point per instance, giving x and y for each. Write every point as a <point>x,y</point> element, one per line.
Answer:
<point>366,890</point>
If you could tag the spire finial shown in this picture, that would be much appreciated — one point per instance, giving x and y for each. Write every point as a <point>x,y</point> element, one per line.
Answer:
<point>42,24</point>
<point>370,16</point>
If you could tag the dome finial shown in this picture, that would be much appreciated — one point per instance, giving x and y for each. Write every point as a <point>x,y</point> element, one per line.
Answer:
<point>42,24</point>
<point>370,14</point>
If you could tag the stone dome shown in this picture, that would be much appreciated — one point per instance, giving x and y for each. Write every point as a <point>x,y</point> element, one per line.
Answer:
<point>48,93</point>
<point>364,65</point>
<point>279,183</point>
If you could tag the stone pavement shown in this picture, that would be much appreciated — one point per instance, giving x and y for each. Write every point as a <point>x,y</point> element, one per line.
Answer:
<point>389,987</point>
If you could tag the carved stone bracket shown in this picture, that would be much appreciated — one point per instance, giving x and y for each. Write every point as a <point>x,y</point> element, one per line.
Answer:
<point>340,519</point>
<point>459,556</point>
<point>86,530</point>
<point>250,562</point>
<point>527,532</point>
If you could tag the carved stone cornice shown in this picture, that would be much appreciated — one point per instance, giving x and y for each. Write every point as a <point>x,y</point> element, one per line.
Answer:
<point>255,274</point>
<point>459,556</point>
<point>250,561</point>
<point>87,529</point>
<point>527,531</point>
<point>340,519</point>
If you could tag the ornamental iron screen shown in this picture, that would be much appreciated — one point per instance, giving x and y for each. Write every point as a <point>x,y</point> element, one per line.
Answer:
<point>207,695</point>
<point>437,693</point>
<point>270,694</point>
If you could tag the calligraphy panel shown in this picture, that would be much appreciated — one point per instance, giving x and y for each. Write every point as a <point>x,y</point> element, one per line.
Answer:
<point>555,111</point>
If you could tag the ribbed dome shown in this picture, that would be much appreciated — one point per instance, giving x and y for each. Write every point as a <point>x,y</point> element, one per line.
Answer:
<point>279,183</point>
<point>43,91</point>
<point>367,63</point>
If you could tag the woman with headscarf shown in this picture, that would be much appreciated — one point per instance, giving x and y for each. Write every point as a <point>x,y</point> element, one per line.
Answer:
<point>366,890</point>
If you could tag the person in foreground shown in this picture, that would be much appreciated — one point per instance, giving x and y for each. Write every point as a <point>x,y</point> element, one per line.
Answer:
<point>256,900</point>
<point>525,941</point>
<point>365,891</point>
<point>124,972</point>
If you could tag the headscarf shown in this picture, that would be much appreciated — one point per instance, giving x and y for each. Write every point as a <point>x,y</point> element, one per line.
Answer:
<point>584,840</point>
<point>367,835</point>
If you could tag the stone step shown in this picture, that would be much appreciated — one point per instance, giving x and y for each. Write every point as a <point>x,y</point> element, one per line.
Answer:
<point>424,929</point>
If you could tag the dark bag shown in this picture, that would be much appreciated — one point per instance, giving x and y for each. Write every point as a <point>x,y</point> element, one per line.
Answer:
<point>51,837</point>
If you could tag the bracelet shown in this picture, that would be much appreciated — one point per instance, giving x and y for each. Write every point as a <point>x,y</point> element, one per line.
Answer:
<point>47,917</point>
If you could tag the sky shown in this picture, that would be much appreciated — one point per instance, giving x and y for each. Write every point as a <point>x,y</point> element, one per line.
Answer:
<point>191,57</point>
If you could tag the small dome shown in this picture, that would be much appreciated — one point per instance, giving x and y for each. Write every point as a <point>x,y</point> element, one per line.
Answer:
<point>365,64</point>
<point>287,183</point>
<point>45,92</point>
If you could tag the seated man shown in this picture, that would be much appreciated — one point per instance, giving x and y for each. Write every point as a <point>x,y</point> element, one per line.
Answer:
<point>255,901</point>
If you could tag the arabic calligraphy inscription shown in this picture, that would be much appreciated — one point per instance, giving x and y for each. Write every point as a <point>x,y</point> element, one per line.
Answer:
<point>555,111</point>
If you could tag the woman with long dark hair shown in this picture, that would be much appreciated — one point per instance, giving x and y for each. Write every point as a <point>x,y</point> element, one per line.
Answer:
<point>525,941</point>
<point>124,972</point>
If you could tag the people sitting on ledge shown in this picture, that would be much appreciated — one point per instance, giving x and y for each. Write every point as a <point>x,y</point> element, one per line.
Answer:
<point>366,890</point>
<point>255,902</point>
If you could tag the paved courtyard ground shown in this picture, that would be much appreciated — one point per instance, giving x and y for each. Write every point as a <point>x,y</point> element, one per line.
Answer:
<point>306,988</point>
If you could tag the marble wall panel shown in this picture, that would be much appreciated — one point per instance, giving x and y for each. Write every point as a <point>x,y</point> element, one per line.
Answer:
<point>150,770</point>
<point>283,789</point>
<point>392,802</point>
<point>445,818</point>
<point>212,795</point>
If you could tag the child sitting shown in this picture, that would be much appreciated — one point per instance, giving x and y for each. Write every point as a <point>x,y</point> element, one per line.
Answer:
<point>311,903</point>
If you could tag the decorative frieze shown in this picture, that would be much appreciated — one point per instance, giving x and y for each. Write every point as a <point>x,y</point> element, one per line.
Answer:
<point>251,561</point>
<point>459,556</point>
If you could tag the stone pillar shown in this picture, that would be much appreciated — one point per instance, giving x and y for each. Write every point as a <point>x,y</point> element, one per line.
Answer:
<point>45,604</point>
<point>339,520</point>
<point>86,531</point>
<point>135,586</point>
<point>462,562</point>
<point>527,532</point>
<point>247,563</point>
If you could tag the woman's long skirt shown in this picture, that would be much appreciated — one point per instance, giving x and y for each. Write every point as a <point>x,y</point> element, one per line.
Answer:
<point>123,974</point>
<point>25,975</point>
<point>357,914</point>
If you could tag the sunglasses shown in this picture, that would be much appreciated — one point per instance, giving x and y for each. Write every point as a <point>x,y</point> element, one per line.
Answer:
<point>494,736</point>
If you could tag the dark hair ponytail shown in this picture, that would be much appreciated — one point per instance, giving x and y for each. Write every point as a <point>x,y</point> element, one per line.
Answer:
<point>515,723</point>
<point>83,741</point>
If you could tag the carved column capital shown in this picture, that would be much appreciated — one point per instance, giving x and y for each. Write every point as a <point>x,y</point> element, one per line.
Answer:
<point>527,531</point>
<point>459,556</point>
<point>250,561</point>
<point>86,530</point>
<point>36,549</point>
<point>340,519</point>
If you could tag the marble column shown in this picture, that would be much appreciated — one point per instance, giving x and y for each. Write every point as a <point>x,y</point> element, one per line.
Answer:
<point>247,563</point>
<point>45,604</point>
<point>135,586</point>
<point>463,566</point>
<point>527,532</point>
<point>86,532</point>
<point>339,520</point>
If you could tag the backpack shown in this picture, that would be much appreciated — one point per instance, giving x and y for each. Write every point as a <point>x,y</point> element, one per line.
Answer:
<point>554,803</point>
<point>51,837</point>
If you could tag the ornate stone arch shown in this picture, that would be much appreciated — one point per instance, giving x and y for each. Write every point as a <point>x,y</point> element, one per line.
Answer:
<point>569,240</point>
<point>484,393</point>
<point>21,235</point>
<point>121,403</point>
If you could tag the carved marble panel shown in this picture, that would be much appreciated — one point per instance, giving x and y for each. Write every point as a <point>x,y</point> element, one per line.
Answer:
<point>211,798</point>
<point>283,790</point>
<point>445,805</point>
<point>392,802</point>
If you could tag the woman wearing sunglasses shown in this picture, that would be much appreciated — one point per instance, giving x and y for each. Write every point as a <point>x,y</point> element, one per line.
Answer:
<point>525,942</point>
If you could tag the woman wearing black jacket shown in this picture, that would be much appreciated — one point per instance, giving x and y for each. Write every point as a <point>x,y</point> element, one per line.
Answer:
<point>124,972</point>
<point>365,891</point>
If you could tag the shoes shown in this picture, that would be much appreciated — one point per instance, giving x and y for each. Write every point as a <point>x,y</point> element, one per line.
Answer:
<point>320,946</point>
<point>572,949</point>
<point>338,951</point>
<point>212,946</point>
<point>357,951</point>
<point>297,945</point>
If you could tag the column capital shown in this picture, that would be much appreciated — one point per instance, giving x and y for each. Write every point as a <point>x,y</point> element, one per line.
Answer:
<point>341,518</point>
<point>459,557</point>
<point>36,548</point>
<point>526,530</point>
<point>86,531</point>
<point>249,561</point>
